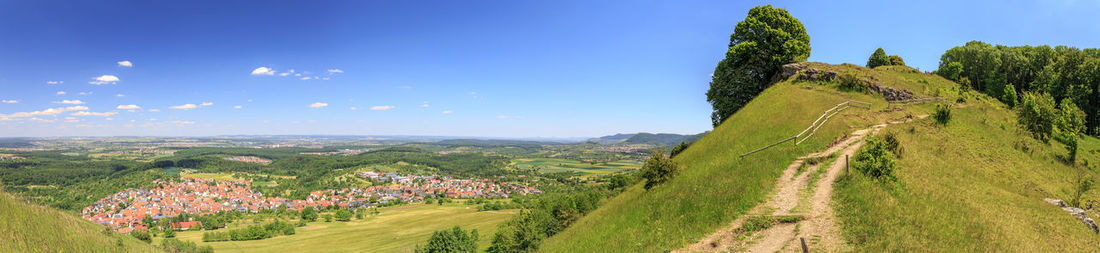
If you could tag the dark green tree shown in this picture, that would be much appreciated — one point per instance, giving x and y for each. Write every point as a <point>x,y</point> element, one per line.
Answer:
<point>759,46</point>
<point>454,240</point>
<point>896,61</point>
<point>658,168</point>
<point>878,58</point>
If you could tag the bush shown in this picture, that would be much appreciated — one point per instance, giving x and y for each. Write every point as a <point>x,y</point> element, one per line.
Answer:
<point>892,143</point>
<point>1071,120</point>
<point>142,235</point>
<point>343,215</point>
<point>679,148</point>
<point>878,58</point>
<point>876,160</point>
<point>850,82</point>
<point>658,168</point>
<point>176,246</point>
<point>1009,97</point>
<point>896,61</point>
<point>454,240</point>
<point>942,114</point>
<point>1036,114</point>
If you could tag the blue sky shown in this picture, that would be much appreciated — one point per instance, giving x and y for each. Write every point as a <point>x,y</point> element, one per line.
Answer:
<point>461,68</point>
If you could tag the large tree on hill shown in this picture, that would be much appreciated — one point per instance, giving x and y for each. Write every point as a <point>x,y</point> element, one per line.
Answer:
<point>759,46</point>
<point>878,58</point>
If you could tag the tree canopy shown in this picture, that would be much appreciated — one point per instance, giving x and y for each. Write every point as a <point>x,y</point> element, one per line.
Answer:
<point>759,46</point>
<point>878,58</point>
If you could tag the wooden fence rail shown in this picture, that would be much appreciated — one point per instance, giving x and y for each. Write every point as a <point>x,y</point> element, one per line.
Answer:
<point>820,121</point>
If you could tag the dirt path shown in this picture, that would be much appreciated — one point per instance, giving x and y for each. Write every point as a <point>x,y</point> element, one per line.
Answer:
<point>819,226</point>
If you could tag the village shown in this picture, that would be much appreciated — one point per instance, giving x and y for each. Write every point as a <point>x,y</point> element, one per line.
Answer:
<point>125,210</point>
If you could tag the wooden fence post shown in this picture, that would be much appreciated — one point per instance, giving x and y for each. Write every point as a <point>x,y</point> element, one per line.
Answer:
<point>804,249</point>
<point>846,166</point>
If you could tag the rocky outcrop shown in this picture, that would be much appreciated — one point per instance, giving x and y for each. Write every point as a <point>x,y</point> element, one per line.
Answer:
<point>810,74</point>
<point>1076,213</point>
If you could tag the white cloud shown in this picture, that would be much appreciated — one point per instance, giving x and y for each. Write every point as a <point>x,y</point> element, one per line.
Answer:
<point>154,110</point>
<point>425,105</point>
<point>120,95</point>
<point>104,79</point>
<point>318,105</point>
<point>69,102</point>
<point>353,108</point>
<point>299,74</point>
<point>304,78</point>
<point>448,112</point>
<point>83,93</point>
<point>335,71</point>
<point>9,101</point>
<point>125,64</point>
<point>284,74</point>
<point>40,120</point>
<point>61,93</point>
<point>55,82</point>
<point>128,107</point>
<point>236,107</point>
<point>181,122</point>
<point>382,107</point>
<point>263,71</point>
<point>50,111</point>
<point>204,104</point>
<point>184,107</point>
<point>86,113</point>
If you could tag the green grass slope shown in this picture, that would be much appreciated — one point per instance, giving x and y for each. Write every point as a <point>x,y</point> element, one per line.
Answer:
<point>969,186</point>
<point>715,186</point>
<point>32,228</point>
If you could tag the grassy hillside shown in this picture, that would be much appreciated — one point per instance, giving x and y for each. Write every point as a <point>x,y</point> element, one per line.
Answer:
<point>969,186</point>
<point>975,185</point>
<point>715,186</point>
<point>31,228</point>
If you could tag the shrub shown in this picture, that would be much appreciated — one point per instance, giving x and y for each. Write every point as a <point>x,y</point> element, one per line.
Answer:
<point>679,148</point>
<point>1009,97</point>
<point>878,58</point>
<point>850,82</point>
<point>454,240</point>
<point>876,160</point>
<point>176,246</point>
<point>1082,186</point>
<point>142,235</point>
<point>892,143</point>
<point>343,215</point>
<point>1071,120</point>
<point>1036,114</point>
<point>658,168</point>
<point>942,114</point>
<point>896,61</point>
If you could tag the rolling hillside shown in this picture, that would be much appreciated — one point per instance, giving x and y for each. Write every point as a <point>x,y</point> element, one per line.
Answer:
<point>32,228</point>
<point>962,186</point>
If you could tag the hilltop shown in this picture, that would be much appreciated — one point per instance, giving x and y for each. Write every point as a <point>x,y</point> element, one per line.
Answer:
<point>976,183</point>
<point>31,228</point>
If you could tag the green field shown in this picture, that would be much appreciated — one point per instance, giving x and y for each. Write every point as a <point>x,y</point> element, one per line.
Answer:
<point>32,228</point>
<point>396,229</point>
<point>555,165</point>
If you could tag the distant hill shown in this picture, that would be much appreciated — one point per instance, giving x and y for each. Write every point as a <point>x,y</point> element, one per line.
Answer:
<point>646,138</point>
<point>31,228</point>
<point>481,142</point>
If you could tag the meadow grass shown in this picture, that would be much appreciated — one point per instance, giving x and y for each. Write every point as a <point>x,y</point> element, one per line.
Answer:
<point>395,229</point>
<point>554,165</point>
<point>28,227</point>
<point>968,186</point>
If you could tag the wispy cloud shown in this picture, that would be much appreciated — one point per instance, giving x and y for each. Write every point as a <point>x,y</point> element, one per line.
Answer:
<point>263,71</point>
<point>50,111</point>
<point>125,64</point>
<point>318,105</point>
<point>61,93</point>
<point>55,82</point>
<point>5,101</point>
<point>335,71</point>
<point>236,107</point>
<point>153,110</point>
<point>184,107</point>
<point>120,95</point>
<point>104,79</point>
<point>87,113</point>
<point>353,108</point>
<point>445,112</point>
<point>382,107</point>
<point>204,104</point>
<point>69,102</point>
<point>128,107</point>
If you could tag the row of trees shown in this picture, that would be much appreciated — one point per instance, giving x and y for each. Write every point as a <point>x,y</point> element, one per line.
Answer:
<point>1003,72</point>
<point>254,232</point>
<point>551,214</point>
